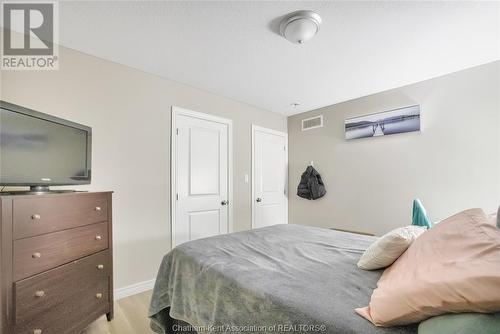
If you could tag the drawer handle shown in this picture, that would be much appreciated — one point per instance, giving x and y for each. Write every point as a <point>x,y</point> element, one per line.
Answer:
<point>40,294</point>
<point>98,295</point>
<point>37,331</point>
<point>100,266</point>
<point>36,217</point>
<point>36,255</point>
<point>98,237</point>
<point>97,208</point>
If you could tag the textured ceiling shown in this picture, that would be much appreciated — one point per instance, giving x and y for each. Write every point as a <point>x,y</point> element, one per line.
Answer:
<point>232,48</point>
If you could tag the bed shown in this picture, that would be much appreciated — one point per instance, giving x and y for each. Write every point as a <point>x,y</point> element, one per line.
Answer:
<point>282,278</point>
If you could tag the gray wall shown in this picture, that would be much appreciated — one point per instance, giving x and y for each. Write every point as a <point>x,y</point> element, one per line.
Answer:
<point>453,164</point>
<point>129,112</point>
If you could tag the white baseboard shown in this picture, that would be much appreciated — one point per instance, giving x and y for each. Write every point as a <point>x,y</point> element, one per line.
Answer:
<point>133,289</point>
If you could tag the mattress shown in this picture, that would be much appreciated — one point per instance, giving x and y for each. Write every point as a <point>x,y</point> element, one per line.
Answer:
<point>282,278</point>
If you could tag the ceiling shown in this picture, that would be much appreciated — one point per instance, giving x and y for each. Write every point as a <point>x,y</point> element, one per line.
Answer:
<point>231,48</point>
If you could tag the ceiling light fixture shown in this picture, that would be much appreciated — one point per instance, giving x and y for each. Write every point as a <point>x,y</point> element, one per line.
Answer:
<point>300,26</point>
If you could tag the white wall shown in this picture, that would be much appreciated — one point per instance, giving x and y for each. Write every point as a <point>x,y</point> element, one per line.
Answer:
<point>453,164</point>
<point>129,112</point>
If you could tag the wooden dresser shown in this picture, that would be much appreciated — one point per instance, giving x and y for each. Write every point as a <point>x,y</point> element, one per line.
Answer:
<point>56,261</point>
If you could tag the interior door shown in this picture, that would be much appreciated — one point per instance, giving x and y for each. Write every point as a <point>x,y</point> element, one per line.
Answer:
<point>201,203</point>
<point>270,164</point>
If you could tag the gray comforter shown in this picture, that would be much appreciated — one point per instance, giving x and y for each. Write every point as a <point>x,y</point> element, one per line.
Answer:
<point>283,278</point>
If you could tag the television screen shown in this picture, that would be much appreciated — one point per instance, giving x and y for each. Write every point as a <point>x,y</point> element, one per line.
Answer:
<point>39,149</point>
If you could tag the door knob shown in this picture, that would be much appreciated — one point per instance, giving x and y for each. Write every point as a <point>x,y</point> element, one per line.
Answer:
<point>259,199</point>
<point>224,202</point>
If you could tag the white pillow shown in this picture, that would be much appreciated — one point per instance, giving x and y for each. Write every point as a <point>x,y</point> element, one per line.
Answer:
<point>383,252</point>
<point>495,218</point>
<point>492,218</point>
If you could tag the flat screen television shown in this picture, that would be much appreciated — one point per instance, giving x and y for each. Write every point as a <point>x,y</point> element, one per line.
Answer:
<point>39,150</point>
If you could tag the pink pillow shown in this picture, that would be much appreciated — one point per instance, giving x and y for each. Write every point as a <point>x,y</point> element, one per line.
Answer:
<point>453,267</point>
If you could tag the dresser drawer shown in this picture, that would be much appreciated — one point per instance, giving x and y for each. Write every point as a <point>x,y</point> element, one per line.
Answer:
<point>38,294</point>
<point>37,254</point>
<point>35,216</point>
<point>70,317</point>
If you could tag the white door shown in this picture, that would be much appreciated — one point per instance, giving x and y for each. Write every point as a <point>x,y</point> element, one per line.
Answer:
<point>201,166</point>
<point>269,177</point>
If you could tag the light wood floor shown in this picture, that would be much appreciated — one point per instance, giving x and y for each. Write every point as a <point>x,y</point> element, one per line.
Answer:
<point>131,317</point>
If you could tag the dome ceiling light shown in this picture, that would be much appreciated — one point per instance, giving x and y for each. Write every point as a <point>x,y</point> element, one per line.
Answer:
<point>300,26</point>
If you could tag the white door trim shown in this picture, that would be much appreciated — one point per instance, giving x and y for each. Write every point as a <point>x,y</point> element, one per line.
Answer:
<point>177,111</point>
<point>273,132</point>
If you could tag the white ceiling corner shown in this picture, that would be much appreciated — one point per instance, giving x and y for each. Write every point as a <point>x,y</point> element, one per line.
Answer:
<point>231,48</point>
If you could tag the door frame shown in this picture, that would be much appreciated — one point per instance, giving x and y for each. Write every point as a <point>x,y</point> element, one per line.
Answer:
<point>277,133</point>
<point>178,111</point>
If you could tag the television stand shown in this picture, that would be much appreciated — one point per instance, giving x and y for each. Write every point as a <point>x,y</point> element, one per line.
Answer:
<point>35,190</point>
<point>39,189</point>
<point>46,190</point>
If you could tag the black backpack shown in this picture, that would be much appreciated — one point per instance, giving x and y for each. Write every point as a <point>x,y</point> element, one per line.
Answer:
<point>311,186</point>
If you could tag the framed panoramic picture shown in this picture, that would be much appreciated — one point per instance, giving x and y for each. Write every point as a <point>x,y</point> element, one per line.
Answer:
<point>385,123</point>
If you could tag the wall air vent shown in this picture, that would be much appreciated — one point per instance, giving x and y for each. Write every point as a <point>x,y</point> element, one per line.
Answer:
<point>312,123</point>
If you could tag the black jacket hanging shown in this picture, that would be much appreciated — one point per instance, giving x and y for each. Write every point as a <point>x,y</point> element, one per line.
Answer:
<point>311,186</point>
